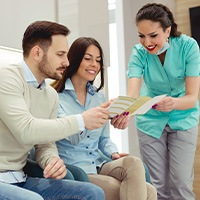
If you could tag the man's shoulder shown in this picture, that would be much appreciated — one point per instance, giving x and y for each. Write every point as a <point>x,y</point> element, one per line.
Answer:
<point>11,69</point>
<point>11,73</point>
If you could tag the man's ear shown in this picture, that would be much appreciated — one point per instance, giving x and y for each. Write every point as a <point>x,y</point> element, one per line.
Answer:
<point>37,53</point>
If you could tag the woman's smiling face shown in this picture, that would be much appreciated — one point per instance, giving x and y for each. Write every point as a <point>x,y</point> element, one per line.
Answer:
<point>90,64</point>
<point>152,36</point>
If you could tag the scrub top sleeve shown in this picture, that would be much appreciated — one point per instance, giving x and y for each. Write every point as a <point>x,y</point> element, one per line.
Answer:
<point>135,65</point>
<point>192,59</point>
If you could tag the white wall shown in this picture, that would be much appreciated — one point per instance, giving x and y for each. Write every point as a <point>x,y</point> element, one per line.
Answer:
<point>9,56</point>
<point>83,18</point>
<point>16,15</point>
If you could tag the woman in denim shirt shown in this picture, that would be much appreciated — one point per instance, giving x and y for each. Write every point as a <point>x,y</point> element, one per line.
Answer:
<point>122,178</point>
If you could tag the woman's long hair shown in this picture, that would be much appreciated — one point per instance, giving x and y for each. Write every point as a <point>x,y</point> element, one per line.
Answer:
<point>75,56</point>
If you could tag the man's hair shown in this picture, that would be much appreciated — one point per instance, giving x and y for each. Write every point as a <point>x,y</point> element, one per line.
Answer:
<point>40,33</point>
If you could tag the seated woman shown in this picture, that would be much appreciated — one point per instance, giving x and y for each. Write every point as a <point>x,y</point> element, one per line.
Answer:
<point>122,178</point>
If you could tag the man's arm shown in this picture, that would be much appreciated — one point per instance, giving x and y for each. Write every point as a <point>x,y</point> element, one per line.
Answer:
<point>28,129</point>
<point>46,156</point>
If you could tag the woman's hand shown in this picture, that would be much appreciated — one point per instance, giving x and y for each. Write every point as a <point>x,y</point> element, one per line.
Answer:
<point>121,121</point>
<point>116,155</point>
<point>165,105</point>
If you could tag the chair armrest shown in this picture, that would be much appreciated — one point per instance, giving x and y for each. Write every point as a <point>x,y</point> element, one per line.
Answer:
<point>78,173</point>
<point>33,169</point>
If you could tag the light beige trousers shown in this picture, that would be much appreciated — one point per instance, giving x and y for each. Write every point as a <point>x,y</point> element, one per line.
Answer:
<point>124,179</point>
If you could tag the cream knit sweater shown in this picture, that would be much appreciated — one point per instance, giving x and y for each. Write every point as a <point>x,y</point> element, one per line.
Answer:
<point>28,117</point>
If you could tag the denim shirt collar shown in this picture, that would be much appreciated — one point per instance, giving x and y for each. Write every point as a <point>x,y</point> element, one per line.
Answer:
<point>90,88</point>
<point>29,77</point>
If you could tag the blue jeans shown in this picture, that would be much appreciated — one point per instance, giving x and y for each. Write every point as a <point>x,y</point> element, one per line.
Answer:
<point>10,192</point>
<point>52,189</point>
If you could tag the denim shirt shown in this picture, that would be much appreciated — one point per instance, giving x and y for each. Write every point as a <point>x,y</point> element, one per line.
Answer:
<point>182,60</point>
<point>81,149</point>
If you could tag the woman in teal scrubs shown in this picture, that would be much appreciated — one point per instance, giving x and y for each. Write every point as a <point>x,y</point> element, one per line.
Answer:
<point>168,62</point>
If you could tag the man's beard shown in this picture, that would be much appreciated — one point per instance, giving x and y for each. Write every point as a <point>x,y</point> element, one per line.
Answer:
<point>45,68</point>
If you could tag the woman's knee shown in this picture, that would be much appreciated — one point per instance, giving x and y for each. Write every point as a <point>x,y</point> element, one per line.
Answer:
<point>132,162</point>
<point>110,185</point>
<point>151,192</point>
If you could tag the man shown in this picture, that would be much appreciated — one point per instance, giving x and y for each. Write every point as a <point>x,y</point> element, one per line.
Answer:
<point>28,110</point>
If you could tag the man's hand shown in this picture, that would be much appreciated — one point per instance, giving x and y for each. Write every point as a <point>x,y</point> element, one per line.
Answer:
<point>96,117</point>
<point>55,169</point>
<point>106,104</point>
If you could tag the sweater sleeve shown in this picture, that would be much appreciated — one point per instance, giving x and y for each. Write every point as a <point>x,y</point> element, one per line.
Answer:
<point>15,114</point>
<point>45,152</point>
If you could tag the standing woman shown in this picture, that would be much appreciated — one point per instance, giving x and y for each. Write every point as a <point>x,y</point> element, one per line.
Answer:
<point>169,63</point>
<point>123,177</point>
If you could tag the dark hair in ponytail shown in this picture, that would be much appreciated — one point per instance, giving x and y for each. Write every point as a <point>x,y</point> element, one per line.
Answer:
<point>158,13</point>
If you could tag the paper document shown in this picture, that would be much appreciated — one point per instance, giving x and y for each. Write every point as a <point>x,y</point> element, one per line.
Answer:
<point>134,106</point>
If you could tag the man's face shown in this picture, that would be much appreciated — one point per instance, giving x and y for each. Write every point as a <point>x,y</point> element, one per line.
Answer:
<point>55,61</point>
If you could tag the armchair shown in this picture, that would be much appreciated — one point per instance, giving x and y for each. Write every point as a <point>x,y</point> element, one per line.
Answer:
<point>73,172</point>
<point>34,170</point>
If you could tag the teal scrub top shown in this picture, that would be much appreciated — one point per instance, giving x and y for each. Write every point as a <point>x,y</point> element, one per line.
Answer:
<point>182,59</point>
